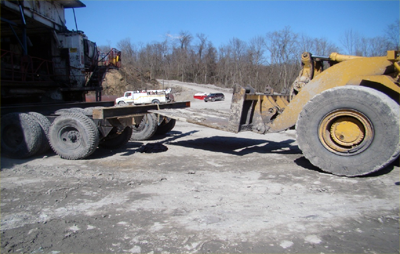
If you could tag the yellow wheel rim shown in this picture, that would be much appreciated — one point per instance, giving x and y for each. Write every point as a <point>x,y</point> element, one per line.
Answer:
<point>346,131</point>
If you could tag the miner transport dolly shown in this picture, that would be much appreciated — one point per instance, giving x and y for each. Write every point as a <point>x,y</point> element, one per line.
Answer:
<point>346,117</point>
<point>72,130</point>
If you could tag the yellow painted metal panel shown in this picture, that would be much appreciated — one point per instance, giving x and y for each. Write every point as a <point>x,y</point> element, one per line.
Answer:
<point>384,80</point>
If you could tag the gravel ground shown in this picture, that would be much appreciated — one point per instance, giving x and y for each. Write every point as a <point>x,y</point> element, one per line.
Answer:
<point>210,192</point>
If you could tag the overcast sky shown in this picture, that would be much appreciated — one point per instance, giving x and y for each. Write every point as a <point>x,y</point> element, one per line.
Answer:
<point>108,22</point>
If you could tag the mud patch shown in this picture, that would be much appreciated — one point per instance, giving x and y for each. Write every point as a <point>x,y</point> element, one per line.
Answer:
<point>153,148</point>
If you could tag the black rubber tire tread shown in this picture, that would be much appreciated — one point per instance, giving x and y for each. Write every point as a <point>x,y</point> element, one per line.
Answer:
<point>70,111</point>
<point>21,135</point>
<point>146,129</point>
<point>88,136</point>
<point>164,128</point>
<point>114,141</point>
<point>45,126</point>
<point>86,111</point>
<point>89,110</point>
<point>382,112</point>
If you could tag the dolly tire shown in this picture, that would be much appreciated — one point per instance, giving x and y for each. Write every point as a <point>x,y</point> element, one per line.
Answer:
<point>145,129</point>
<point>165,126</point>
<point>21,135</point>
<point>73,136</point>
<point>114,140</point>
<point>45,126</point>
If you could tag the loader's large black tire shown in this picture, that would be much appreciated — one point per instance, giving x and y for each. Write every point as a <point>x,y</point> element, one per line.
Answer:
<point>114,140</point>
<point>73,136</point>
<point>21,135</point>
<point>45,126</point>
<point>145,129</point>
<point>166,126</point>
<point>350,130</point>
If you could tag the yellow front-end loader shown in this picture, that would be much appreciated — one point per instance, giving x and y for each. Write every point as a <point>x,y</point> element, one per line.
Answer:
<point>346,116</point>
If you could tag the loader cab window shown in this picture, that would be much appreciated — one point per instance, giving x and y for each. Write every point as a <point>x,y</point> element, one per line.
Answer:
<point>128,94</point>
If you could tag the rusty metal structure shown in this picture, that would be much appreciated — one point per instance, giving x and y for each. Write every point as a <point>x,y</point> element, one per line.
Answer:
<point>42,61</point>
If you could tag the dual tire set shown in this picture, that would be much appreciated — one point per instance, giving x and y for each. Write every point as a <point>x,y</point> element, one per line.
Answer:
<point>71,135</point>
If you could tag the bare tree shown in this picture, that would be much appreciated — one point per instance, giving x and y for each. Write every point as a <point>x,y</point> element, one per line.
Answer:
<point>224,63</point>
<point>376,46</point>
<point>238,51</point>
<point>200,66</point>
<point>351,42</point>
<point>283,48</point>
<point>210,60</point>
<point>256,55</point>
<point>185,38</point>
<point>307,44</point>
<point>323,47</point>
<point>201,44</point>
<point>128,51</point>
<point>393,35</point>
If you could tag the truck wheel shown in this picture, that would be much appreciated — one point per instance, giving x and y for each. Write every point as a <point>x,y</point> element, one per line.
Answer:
<point>21,135</point>
<point>350,130</point>
<point>73,136</point>
<point>146,129</point>
<point>122,103</point>
<point>45,126</point>
<point>114,140</point>
<point>155,101</point>
<point>166,126</point>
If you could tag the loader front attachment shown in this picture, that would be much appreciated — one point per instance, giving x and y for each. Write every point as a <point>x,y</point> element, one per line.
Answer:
<point>222,120</point>
<point>249,111</point>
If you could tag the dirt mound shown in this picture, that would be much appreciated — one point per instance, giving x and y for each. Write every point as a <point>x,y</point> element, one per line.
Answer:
<point>116,82</point>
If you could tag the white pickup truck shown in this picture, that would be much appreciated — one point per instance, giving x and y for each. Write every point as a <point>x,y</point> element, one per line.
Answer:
<point>144,97</point>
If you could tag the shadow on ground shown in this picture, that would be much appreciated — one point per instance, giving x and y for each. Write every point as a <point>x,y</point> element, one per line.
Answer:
<point>303,162</point>
<point>240,146</point>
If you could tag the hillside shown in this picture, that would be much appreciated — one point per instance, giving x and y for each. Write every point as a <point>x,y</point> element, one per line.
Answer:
<point>116,82</point>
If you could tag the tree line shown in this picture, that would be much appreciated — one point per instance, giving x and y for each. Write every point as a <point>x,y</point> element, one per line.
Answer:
<point>272,60</point>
